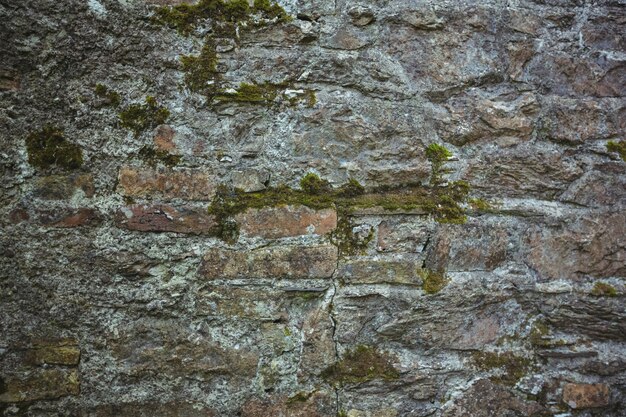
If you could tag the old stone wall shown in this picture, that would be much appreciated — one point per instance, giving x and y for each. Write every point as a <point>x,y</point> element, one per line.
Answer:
<point>312,208</point>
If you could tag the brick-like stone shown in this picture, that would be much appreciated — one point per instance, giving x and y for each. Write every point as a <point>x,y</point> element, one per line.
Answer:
<point>586,395</point>
<point>379,270</point>
<point>591,245</point>
<point>41,384</point>
<point>165,218</point>
<point>186,184</point>
<point>164,138</point>
<point>286,221</point>
<point>66,218</point>
<point>271,262</point>
<point>55,352</point>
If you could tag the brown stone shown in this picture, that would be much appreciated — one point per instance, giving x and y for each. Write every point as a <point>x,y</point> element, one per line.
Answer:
<point>66,218</point>
<point>301,404</point>
<point>315,261</point>
<point>586,395</point>
<point>18,215</point>
<point>277,222</point>
<point>55,352</point>
<point>396,235</point>
<point>9,80</point>
<point>164,218</point>
<point>166,183</point>
<point>63,187</point>
<point>376,270</point>
<point>164,138</point>
<point>593,245</point>
<point>40,384</point>
<point>151,409</point>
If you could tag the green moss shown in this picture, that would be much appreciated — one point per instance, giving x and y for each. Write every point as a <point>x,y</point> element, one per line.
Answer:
<point>185,18</point>
<point>433,281</point>
<point>48,148</point>
<point>140,117</point>
<point>602,289</point>
<point>479,204</point>
<point>442,202</point>
<point>111,97</point>
<point>513,367</point>
<point>155,156</point>
<point>437,155</point>
<point>314,185</point>
<point>201,74</point>
<point>619,147</point>
<point>362,364</point>
<point>251,93</point>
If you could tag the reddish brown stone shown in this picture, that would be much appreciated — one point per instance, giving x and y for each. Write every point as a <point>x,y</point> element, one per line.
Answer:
<point>70,218</point>
<point>586,395</point>
<point>9,80</point>
<point>271,262</point>
<point>163,138</point>
<point>164,218</point>
<point>277,222</point>
<point>18,215</point>
<point>166,183</point>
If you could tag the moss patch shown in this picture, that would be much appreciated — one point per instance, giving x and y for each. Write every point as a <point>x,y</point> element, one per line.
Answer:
<point>437,155</point>
<point>513,367</point>
<point>442,202</point>
<point>185,17</point>
<point>140,117</point>
<point>602,289</point>
<point>266,93</point>
<point>362,364</point>
<point>619,147</point>
<point>433,281</point>
<point>201,74</point>
<point>48,148</point>
<point>153,157</point>
<point>110,97</point>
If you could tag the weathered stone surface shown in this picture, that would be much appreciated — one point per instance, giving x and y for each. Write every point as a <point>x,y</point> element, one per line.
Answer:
<point>486,399</point>
<point>55,352</point>
<point>593,245</point>
<point>166,183</point>
<point>164,218</point>
<point>402,235</point>
<point>286,221</point>
<point>250,180</point>
<point>151,409</point>
<point>379,269</point>
<point>302,404</point>
<point>163,139</point>
<point>271,262</point>
<point>40,384</point>
<point>579,396</point>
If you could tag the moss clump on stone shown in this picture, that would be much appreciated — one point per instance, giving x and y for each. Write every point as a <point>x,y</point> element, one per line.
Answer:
<point>619,147</point>
<point>155,156</point>
<point>140,117</point>
<point>111,97</point>
<point>479,204</point>
<point>362,364</point>
<point>347,241</point>
<point>437,155</point>
<point>433,281</point>
<point>512,366</point>
<point>48,148</point>
<point>602,289</point>
<point>201,74</point>
<point>185,17</point>
<point>299,397</point>
<point>352,188</point>
<point>314,185</point>
<point>255,93</point>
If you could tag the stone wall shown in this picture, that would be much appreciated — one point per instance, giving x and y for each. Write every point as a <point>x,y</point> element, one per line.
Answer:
<point>317,208</point>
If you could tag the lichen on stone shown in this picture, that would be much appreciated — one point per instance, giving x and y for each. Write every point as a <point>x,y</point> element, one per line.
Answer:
<point>512,367</point>
<point>141,117</point>
<point>153,157</point>
<point>361,364</point>
<point>48,148</point>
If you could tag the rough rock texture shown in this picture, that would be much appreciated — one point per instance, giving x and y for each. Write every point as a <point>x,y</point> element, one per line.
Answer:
<point>122,295</point>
